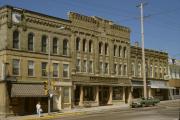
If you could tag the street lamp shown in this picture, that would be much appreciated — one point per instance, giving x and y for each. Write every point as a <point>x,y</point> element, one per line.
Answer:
<point>50,94</point>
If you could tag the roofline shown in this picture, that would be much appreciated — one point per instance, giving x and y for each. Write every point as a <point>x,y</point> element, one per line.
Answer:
<point>37,13</point>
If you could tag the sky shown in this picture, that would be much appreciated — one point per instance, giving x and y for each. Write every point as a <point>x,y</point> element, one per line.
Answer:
<point>161,21</point>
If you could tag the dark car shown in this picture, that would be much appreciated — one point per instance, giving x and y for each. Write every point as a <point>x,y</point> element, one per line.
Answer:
<point>142,102</point>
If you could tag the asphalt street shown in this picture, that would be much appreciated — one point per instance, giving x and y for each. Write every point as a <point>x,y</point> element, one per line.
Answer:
<point>157,113</point>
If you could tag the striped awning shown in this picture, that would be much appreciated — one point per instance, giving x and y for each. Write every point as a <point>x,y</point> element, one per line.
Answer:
<point>27,90</point>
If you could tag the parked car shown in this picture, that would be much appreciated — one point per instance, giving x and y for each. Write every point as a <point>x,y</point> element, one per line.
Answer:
<point>142,102</point>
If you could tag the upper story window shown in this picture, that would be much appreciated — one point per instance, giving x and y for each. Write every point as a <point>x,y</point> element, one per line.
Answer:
<point>30,41</point>
<point>16,67</point>
<point>65,47</point>
<point>124,52</point>
<point>30,68</point>
<point>132,69</point>
<point>115,69</point>
<point>139,70</point>
<point>84,65</point>
<point>160,72</point>
<point>84,45</point>
<point>100,48</point>
<point>155,72</point>
<point>151,71</point>
<point>43,68</point>
<point>65,70</point>
<point>120,69</point>
<point>78,65</point>
<point>90,46</point>
<point>78,44</point>
<point>106,49</point>
<point>100,67</point>
<point>44,44</point>
<point>125,70</point>
<point>16,39</point>
<point>55,69</point>
<point>91,66</point>
<point>106,68</point>
<point>55,45</point>
<point>115,50</point>
<point>120,51</point>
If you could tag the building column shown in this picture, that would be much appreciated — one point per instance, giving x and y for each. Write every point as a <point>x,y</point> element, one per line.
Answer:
<point>81,96</point>
<point>130,95</point>
<point>124,96</point>
<point>110,95</point>
<point>149,92</point>
<point>97,95</point>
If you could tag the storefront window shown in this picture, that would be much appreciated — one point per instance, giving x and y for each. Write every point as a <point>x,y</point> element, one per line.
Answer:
<point>66,94</point>
<point>117,93</point>
<point>88,94</point>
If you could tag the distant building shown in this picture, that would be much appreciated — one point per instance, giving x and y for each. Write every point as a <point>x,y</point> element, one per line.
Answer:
<point>156,65</point>
<point>174,77</point>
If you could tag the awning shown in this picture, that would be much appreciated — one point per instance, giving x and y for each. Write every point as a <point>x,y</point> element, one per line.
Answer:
<point>27,90</point>
<point>159,84</point>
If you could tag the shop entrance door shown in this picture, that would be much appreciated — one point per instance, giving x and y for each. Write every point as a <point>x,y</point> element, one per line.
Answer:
<point>103,95</point>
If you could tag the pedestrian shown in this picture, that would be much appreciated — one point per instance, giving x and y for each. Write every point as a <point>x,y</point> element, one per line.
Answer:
<point>38,109</point>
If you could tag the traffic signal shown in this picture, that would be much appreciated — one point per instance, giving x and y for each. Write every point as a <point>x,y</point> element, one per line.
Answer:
<point>45,87</point>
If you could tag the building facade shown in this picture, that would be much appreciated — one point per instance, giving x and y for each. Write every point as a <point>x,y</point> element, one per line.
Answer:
<point>24,48</point>
<point>87,60</point>
<point>156,65</point>
<point>174,77</point>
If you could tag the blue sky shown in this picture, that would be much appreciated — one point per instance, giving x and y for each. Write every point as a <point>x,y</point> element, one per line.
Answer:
<point>161,28</point>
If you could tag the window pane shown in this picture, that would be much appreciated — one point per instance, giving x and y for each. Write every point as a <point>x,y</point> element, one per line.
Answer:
<point>44,44</point>
<point>30,41</point>
<point>65,70</point>
<point>65,47</point>
<point>15,67</point>
<point>55,45</point>
<point>16,39</point>
<point>78,65</point>
<point>55,69</point>
<point>43,67</point>
<point>30,68</point>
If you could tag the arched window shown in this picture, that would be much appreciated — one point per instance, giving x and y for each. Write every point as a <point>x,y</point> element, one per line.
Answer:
<point>90,46</point>
<point>30,41</point>
<point>125,69</point>
<point>132,69</point>
<point>16,39</point>
<point>139,70</point>
<point>100,47</point>
<point>120,51</point>
<point>115,48</point>
<point>84,45</point>
<point>124,52</point>
<point>44,44</point>
<point>78,44</point>
<point>106,49</point>
<point>65,47</point>
<point>55,45</point>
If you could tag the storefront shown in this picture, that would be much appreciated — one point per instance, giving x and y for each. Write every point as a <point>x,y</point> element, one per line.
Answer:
<point>137,86</point>
<point>160,89</point>
<point>100,91</point>
<point>25,96</point>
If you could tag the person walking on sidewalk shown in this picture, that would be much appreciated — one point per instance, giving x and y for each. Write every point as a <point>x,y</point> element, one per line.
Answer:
<point>38,109</point>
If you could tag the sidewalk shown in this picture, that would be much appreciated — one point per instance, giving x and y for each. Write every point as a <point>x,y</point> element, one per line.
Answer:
<point>74,111</point>
<point>81,111</point>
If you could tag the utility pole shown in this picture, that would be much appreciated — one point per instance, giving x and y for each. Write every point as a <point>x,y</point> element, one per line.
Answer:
<point>49,81</point>
<point>143,53</point>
